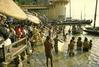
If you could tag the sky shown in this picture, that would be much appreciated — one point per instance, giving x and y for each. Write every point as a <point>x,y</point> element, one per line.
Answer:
<point>84,8</point>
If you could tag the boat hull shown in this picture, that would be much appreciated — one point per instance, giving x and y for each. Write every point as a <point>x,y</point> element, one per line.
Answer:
<point>93,32</point>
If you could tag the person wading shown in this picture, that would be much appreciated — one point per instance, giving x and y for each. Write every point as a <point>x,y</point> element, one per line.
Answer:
<point>56,44</point>
<point>79,44</point>
<point>90,44</point>
<point>48,48</point>
<point>85,45</point>
<point>71,48</point>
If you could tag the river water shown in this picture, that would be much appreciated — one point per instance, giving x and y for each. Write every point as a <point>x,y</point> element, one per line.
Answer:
<point>88,59</point>
<point>92,57</point>
<point>93,54</point>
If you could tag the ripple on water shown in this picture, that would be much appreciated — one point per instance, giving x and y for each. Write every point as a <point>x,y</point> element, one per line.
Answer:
<point>94,52</point>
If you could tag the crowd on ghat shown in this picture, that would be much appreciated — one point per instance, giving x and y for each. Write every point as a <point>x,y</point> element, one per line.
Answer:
<point>13,31</point>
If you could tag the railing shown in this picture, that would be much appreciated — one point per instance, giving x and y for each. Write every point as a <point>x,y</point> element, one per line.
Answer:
<point>12,51</point>
<point>36,6</point>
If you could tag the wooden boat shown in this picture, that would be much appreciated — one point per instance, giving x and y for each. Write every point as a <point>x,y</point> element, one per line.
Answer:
<point>76,21</point>
<point>76,29</point>
<point>71,22</point>
<point>93,30</point>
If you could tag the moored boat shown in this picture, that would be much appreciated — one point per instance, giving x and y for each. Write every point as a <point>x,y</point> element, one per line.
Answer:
<point>93,30</point>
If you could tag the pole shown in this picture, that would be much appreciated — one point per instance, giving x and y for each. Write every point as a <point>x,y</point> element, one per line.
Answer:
<point>70,8</point>
<point>84,10</point>
<point>65,12</point>
<point>95,13</point>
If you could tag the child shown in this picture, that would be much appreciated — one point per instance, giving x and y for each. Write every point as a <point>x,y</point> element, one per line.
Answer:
<point>90,44</point>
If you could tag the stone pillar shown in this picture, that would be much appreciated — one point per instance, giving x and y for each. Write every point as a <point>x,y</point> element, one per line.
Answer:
<point>60,10</point>
<point>57,9</point>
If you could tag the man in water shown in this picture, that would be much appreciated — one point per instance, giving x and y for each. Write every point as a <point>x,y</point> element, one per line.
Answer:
<point>79,44</point>
<point>90,44</point>
<point>85,45</point>
<point>48,48</point>
<point>56,44</point>
<point>71,48</point>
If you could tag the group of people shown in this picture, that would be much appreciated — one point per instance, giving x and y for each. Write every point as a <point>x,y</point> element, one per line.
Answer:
<point>81,46</point>
<point>84,46</point>
<point>35,35</point>
<point>13,31</point>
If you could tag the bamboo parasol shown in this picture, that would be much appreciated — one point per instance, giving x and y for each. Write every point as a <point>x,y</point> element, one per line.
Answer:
<point>8,7</point>
<point>33,19</point>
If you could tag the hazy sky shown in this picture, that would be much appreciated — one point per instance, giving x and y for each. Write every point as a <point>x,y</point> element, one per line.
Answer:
<point>86,8</point>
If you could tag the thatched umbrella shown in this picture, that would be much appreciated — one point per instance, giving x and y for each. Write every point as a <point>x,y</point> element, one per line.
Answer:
<point>8,7</point>
<point>33,19</point>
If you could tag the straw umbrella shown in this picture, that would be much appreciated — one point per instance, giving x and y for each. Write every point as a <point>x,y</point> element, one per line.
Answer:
<point>33,19</point>
<point>8,7</point>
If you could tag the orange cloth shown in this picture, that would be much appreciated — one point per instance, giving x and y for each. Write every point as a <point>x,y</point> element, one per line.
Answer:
<point>19,31</point>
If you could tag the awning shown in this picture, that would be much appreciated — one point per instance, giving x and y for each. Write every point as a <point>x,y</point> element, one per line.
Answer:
<point>33,19</point>
<point>8,7</point>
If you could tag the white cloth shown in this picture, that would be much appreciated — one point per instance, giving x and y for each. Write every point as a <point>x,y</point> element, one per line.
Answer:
<point>7,42</point>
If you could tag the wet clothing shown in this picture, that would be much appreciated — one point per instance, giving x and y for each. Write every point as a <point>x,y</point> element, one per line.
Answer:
<point>85,46</point>
<point>56,41</point>
<point>90,45</point>
<point>56,45</point>
<point>48,48</point>
<point>79,45</point>
<point>71,48</point>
